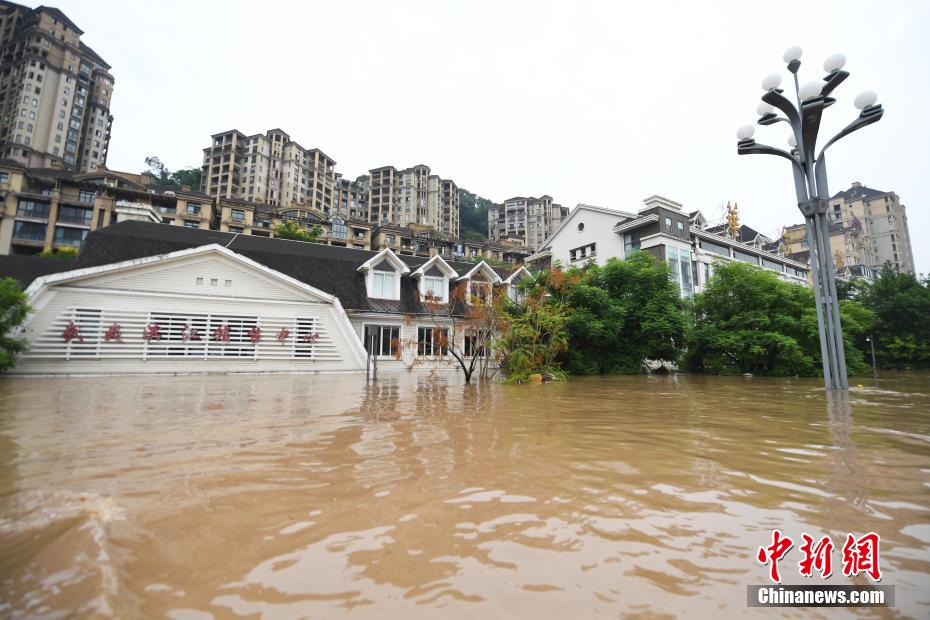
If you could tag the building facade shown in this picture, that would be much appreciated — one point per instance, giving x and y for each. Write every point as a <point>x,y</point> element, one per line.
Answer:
<point>55,91</point>
<point>48,209</point>
<point>664,229</point>
<point>413,196</point>
<point>270,169</point>
<point>529,219</point>
<point>145,298</point>
<point>874,228</point>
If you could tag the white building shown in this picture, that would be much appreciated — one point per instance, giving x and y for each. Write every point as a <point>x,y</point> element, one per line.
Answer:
<point>150,298</point>
<point>663,228</point>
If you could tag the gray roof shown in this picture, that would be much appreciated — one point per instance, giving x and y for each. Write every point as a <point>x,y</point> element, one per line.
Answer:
<point>331,269</point>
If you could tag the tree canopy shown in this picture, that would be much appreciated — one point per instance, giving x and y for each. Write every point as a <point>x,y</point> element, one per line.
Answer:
<point>294,231</point>
<point>13,311</point>
<point>473,216</point>
<point>163,177</point>
<point>747,320</point>
<point>900,303</point>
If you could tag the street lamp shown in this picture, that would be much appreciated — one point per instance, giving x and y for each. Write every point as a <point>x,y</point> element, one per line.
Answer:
<point>810,183</point>
<point>874,367</point>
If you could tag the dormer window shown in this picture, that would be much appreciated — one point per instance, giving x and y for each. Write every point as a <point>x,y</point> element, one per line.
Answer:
<point>382,275</point>
<point>383,281</point>
<point>433,278</point>
<point>479,288</point>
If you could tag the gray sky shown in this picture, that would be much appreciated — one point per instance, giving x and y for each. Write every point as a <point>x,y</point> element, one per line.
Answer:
<point>604,103</point>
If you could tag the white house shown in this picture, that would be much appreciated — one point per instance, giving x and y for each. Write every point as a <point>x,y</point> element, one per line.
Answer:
<point>663,228</point>
<point>151,298</point>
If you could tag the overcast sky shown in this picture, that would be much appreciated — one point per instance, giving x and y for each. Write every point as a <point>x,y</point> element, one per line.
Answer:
<point>603,103</point>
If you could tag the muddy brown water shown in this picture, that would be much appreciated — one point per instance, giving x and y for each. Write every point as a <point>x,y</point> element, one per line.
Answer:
<point>299,496</point>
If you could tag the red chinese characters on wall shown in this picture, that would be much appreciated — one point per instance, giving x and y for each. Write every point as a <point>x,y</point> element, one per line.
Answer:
<point>221,333</point>
<point>255,334</point>
<point>283,335</point>
<point>72,332</point>
<point>151,332</point>
<point>114,332</point>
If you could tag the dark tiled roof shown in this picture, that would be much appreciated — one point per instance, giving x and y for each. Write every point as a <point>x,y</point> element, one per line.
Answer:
<point>859,191</point>
<point>87,50</point>
<point>57,14</point>
<point>744,234</point>
<point>25,269</point>
<point>331,269</point>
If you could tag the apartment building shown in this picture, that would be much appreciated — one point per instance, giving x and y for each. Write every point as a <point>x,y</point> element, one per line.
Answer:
<point>416,240</point>
<point>413,196</point>
<point>55,91</point>
<point>529,219</point>
<point>45,209</point>
<point>269,169</point>
<point>875,227</point>
<point>351,198</point>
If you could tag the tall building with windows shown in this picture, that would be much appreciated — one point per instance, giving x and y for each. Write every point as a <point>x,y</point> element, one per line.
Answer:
<point>55,91</point>
<point>875,226</point>
<point>529,219</point>
<point>270,169</point>
<point>413,196</point>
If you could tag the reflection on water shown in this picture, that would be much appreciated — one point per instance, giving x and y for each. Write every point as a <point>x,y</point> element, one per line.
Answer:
<point>297,496</point>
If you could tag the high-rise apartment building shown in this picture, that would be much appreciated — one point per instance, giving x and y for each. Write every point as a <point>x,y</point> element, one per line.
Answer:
<point>54,91</point>
<point>530,219</point>
<point>882,221</point>
<point>868,228</point>
<point>269,169</point>
<point>351,199</point>
<point>413,196</point>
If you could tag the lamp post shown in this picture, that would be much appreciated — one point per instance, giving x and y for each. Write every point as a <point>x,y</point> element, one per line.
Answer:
<point>810,183</point>
<point>871,342</point>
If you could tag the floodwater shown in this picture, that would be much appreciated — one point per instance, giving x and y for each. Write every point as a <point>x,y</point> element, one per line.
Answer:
<point>299,496</point>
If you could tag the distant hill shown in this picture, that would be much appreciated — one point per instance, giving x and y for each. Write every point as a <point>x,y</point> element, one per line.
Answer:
<point>473,215</point>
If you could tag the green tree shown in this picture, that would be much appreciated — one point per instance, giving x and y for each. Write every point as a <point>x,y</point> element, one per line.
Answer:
<point>473,216</point>
<point>533,330</point>
<point>748,320</point>
<point>623,313</point>
<point>13,310</point>
<point>292,230</point>
<point>901,305</point>
<point>163,177</point>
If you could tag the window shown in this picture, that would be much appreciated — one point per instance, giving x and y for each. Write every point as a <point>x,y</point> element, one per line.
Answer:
<point>30,208</point>
<point>383,281</point>
<point>479,289</point>
<point>29,231</point>
<point>193,208</point>
<point>69,236</point>
<point>434,288</point>
<point>746,258</point>
<point>432,341</point>
<point>75,215</point>
<point>679,264</point>
<point>580,226</point>
<point>340,230</point>
<point>668,224</point>
<point>5,178</point>
<point>391,239</point>
<point>236,229</point>
<point>87,196</point>
<point>630,242</point>
<point>584,252</point>
<point>238,215</point>
<point>773,265</point>
<point>474,346</point>
<point>191,224</point>
<point>681,229</point>
<point>722,250</point>
<point>383,340</point>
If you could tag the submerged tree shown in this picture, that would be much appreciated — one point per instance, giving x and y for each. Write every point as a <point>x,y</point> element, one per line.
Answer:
<point>465,326</point>
<point>13,311</point>
<point>534,334</point>
<point>624,312</point>
<point>749,321</point>
<point>901,304</point>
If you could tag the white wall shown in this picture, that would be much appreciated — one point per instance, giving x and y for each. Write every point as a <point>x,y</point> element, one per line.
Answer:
<point>131,298</point>
<point>598,228</point>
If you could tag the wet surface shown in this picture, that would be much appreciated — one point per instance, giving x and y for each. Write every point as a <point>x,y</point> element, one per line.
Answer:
<point>304,496</point>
